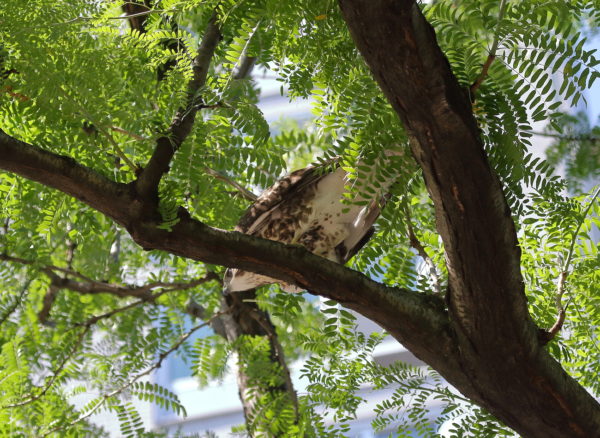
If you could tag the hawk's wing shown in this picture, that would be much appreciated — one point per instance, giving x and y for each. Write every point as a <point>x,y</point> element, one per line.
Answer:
<point>306,208</point>
<point>263,213</point>
<point>288,187</point>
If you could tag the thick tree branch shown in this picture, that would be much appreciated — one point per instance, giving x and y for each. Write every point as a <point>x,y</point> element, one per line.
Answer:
<point>68,176</point>
<point>145,209</point>
<point>416,78</point>
<point>246,319</point>
<point>424,323</point>
<point>486,293</point>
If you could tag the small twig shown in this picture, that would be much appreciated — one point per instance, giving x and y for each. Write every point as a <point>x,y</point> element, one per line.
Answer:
<point>244,67</point>
<point>103,131</point>
<point>246,194</point>
<point>128,133</point>
<point>119,17</point>
<point>8,90</point>
<point>192,308</point>
<point>417,245</point>
<point>448,394</point>
<point>142,292</point>
<point>492,52</point>
<point>52,291</point>
<point>89,286</point>
<point>245,63</point>
<point>213,106</point>
<point>92,286</point>
<point>483,74</point>
<point>44,268</point>
<point>139,14</point>
<point>550,334</point>
<point>86,328</point>
<point>94,319</point>
<point>577,138</point>
<point>547,335</point>
<point>55,374</point>
<point>118,150</point>
<point>16,303</point>
<point>134,379</point>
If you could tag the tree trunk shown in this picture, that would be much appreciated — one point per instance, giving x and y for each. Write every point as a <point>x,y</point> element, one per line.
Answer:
<point>498,350</point>
<point>259,390</point>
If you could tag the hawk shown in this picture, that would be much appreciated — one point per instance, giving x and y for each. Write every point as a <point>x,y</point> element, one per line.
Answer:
<point>306,208</point>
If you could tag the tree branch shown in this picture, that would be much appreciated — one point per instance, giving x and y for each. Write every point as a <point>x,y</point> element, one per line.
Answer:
<point>136,12</point>
<point>89,286</point>
<point>49,298</point>
<point>547,335</point>
<point>484,72</point>
<point>68,176</point>
<point>424,323</point>
<point>181,126</point>
<point>192,239</point>
<point>9,311</point>
<point>486,295</point>
<point>142,292</point>
<point>576,138</point>
<point>244,67</point>
<point>492,54</point>
<point>246,194</point>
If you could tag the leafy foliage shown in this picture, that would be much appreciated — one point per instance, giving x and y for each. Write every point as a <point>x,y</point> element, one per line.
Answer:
<point>77,81</point>
<point>576,145</point>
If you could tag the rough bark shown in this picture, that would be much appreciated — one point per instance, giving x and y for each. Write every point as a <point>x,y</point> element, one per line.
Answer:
<point>485,342</point>
<point>497,343</point>
<point>243,319</point>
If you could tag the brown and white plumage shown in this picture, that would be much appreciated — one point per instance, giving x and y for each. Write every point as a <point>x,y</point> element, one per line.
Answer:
<point>305,208</point>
